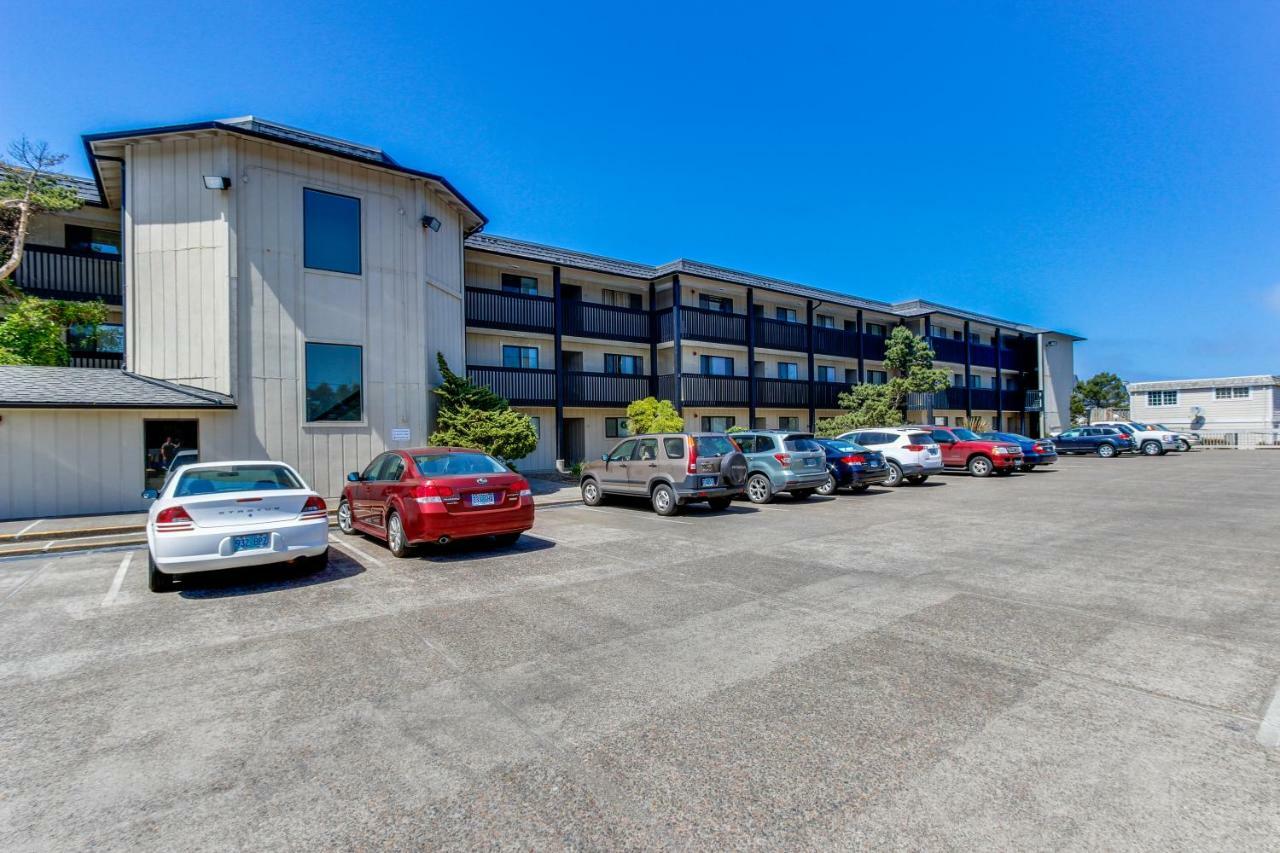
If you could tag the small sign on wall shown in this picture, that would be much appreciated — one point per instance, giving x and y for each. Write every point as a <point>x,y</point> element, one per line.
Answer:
<point>399,433</point>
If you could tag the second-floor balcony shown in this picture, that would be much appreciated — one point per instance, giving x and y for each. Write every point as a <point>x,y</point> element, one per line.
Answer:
<point>604,389</point>
<point>518,312</point>
<point>521,386</point>
<point>53,273</point>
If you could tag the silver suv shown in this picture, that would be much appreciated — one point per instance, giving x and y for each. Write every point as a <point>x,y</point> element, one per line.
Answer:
<point>782,461</point>
<point>671,469</point>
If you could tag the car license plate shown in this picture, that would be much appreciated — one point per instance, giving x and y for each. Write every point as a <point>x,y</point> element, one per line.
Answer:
<point>811,463</point>
<point>874,463</point>
<point>482,499</point>
<point>707,483</point>
<point>252,542</point>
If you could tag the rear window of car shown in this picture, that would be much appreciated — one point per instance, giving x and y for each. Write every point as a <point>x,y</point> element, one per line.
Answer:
<point>844,447</point>
<point>714,445</point>
<point>234,478</point>
<point>674,447</point>
<point>920,438</point>
<point>799,444</point>
<point>451,464</point>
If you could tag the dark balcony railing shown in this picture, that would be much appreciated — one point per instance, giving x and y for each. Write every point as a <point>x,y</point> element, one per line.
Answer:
<point>829,341</point>
<point>495,309</point>
<point>781,334</point>
<point>603,389</point>
<point>593,320</point>
<point>97,359</point>
<point>521,386</point>
<point>984,398</point>
<point>55,273</point>
<point>948,349</point>
<point>983,355</point>
<point>703,325</point>
<point>948,398</point>
<point>826,395</point>
<point>790,393</point>
<point>1012,400</point>
<point>713,390</point>
<point>873,347</point>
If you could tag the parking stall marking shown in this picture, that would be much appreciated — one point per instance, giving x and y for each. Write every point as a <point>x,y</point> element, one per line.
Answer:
<point>1269,728</point>
<point>118,580</point>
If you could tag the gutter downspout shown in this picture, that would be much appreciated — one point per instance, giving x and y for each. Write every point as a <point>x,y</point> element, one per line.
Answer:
<point>124,261</point>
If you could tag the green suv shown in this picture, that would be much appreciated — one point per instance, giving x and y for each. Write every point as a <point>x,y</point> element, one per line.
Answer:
<point>782,461</point>
<point>671,469</point>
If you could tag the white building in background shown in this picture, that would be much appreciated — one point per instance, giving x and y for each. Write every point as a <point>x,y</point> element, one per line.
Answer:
<point>1228,404</point>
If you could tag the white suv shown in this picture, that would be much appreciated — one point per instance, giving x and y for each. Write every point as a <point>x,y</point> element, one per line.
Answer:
<point>912,453</point>
<point>1147,440</point>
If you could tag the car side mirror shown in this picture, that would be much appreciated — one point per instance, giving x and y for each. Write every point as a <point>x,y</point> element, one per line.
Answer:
<point>604,457</point>
<point>353,477</point>
<point>150,495</point>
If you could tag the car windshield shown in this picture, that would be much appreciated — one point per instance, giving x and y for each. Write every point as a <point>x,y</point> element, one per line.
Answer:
<point>714,445</point>
<point>457,464</point>
<point>920,438</point>
<point>234,478</point>
<point>964,434</point>
<point>801,444</point>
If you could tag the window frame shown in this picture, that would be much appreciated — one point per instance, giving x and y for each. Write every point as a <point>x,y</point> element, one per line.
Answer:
<point>1231,393</point>
<point>1160,399</point>
<point>329,424</point>
<point>618,358</point>
<point>826,373</point>
<point>616,424</point>
<point>705,300</point>
<point>706,423</point>
<point>705,360</point>
<point>359,200</point>
<point>883,327</point>
<point>502,284</point>
<point>793,368</point>
<point>537,350</point>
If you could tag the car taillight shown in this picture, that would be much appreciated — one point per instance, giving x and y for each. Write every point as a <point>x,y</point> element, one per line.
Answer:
<point>693,456</point>
<point>914,448</point>
<point>172,519</point>
<point>314,508</point>
<point>430,493</point>
<point>783,458</point>
<point>520,489</point>
<point>857,459</point>
<point>1038,448</point>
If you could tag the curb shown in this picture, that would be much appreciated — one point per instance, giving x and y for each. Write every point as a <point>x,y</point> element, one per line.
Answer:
<point>42,535</point>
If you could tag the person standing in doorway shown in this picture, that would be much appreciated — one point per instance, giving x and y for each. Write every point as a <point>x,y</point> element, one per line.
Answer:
<point>167,451</point>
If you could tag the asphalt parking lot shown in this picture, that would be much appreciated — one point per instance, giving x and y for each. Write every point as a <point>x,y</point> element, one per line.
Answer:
<point>1083,657</point>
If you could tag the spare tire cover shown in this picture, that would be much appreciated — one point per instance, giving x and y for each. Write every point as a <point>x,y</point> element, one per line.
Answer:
<point>734,467</point>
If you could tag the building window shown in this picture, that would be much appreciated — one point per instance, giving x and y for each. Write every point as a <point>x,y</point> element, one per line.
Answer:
<point>788,422</point>
<point>617,428</point>
<point>334,382</point>
<point>975,381</point>
<point>715,303</point>
<point>631,365</point>
<point>975,338</point>
<point>825,321</point>
<point>787,315</point>
<point>717,365</point>
<point>516,356</point>
<point>1229,394</point>
<point>851,375</point>
<point>759,423</point>
<point>83,238</point>
<point>330,232</point>
<point>788,370</point>
<point>1162,398</point>
<point>826,373</point>
<point>537,425</point>
<point>526,284</point>
<point>876,329</point>
<point>957,336</point>
<point>957,380</point>
<point>877,377</point>
<point>620,299</point>
<point>939,420</point>
<point>717,423</point>
<point>105,337</point>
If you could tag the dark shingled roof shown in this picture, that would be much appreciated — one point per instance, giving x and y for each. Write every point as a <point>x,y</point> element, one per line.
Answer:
<point>96,388</point>
<point>560,257</point>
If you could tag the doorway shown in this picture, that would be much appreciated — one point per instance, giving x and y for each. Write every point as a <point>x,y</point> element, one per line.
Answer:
<point>575,440</point>
<point>161,442</point>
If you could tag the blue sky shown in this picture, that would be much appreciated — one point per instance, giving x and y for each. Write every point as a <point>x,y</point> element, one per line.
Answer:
<point>1110,169</point>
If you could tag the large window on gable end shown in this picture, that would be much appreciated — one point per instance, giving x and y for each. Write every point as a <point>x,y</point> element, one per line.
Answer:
<point>335,383</point>
<point>330,232</point>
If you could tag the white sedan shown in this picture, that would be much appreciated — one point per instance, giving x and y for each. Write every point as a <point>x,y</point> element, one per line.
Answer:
<point>226,515</point>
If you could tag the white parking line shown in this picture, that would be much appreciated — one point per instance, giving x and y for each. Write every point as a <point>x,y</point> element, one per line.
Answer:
<point>657,518</point>
<point>29,526</point>
<point>118,580</point>
<point>1269,729</point>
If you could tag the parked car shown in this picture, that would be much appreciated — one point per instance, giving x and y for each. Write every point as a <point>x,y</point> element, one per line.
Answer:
<point>1107,442</point>
<point>1147,439</point>
<point>228,515</point>
<point>782,461</point>
<point>1186,440</point>
<point>911,454</point>
<point>1035,451</point>
<point>671,469</point>
<point>963,449</point>
<point>851,466</point>
<point>435,494</point>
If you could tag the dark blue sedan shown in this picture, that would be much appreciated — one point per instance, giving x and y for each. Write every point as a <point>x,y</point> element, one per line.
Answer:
<point>1035,451</point>
<point>851,466</point>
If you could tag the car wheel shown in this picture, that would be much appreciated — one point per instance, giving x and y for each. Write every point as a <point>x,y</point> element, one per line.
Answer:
<point>1184,445</point>
<point>759,489</point>
<point>506,540</point>
<point>591,493</point>
<point>344,518</point>
<point>859,488</point>
<point>802,494</point>
<point>1152,448</point>
<point>157,581</point>
<point>829,487</point>
<point>980,466</point>
<point>1106,451</point>
<point>719,504</point>
<point>664,500</point>
<point>396,540</point>
<point>895,475</point>
<point>917,479</point>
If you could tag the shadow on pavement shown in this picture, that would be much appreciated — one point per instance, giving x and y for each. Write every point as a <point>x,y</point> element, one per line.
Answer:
<point>257,580</point>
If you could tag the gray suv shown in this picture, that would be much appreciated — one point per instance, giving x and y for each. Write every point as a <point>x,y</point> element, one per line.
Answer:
<point>671,469</point>
<point>782,461</point>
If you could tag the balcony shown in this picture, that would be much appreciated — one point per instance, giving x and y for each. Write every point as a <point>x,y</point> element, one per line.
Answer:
<point>697,390</point>
<point>984,398</point>
<point>604,389</point>
<point>781,334</point>
<point>787,393</point>
<point>948,349</point>
<point>1013,400</point>
<point>494,309</point>
<point>826,395</point>
<point>53,273</point>
<point>873,347</point>
<point>983,355</point>
<point>594,320</point>
<point>700,324</point>
<point>948,398</point>
<point>521,386</point>
<point>829,341</point>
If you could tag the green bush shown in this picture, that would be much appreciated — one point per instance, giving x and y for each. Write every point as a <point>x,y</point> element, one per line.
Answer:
<point>469,415</point>
<point>653,415</point>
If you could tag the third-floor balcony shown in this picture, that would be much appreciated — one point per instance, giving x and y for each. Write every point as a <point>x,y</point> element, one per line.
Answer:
<point>54,273</point>
<point>594,320</point>
<point>517,312</point>
<point>700,324</point>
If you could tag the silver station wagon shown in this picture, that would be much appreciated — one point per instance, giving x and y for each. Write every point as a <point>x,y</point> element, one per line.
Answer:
<point>782,461</point>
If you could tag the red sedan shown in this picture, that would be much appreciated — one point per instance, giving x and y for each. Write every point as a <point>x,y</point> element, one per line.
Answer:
<point>435,494</point>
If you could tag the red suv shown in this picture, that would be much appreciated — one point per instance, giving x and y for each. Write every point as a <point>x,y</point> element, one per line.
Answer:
<point>964,449</point>
<point>435,494</point>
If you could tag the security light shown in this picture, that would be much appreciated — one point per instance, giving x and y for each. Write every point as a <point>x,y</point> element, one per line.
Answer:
<point>431,222</point>
<point>216,182</point>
